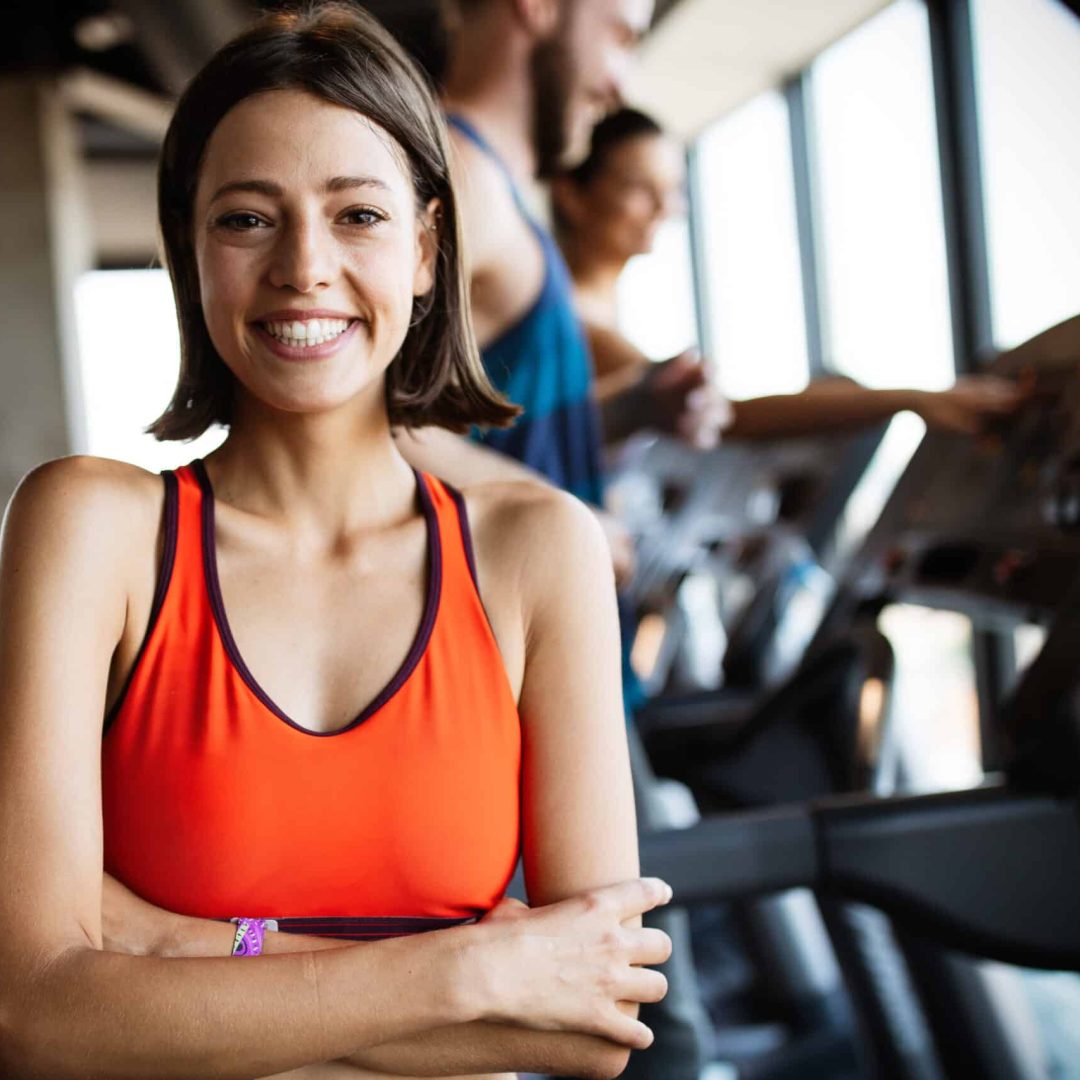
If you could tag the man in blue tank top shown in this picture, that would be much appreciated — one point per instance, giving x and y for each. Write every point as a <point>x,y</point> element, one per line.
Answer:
<point>526,83</point>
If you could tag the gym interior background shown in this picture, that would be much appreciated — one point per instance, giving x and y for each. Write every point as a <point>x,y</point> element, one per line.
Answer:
<point>885,189</point>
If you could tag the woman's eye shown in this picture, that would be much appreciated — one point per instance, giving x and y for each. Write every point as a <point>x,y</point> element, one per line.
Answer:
<point>240,222</point>
<point>363,216</point>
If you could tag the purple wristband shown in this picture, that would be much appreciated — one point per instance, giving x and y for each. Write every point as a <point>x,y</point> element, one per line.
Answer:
<point>249,937</point>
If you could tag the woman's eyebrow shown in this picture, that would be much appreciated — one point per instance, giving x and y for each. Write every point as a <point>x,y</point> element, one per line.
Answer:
<point>268,187</point>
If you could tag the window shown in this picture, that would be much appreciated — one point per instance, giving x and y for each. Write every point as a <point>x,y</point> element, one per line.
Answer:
<point>1028,85</point>
<point>750,242</point>
<point>936,705</point>
<point>656,295</point>
<point>883,244</point>
<point>129,349</point>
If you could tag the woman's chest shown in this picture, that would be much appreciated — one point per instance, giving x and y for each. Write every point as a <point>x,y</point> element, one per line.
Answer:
<point>217,807</point>
<point>325,635</point>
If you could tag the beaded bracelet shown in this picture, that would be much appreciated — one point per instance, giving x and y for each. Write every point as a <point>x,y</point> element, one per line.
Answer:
<point>249,935</point>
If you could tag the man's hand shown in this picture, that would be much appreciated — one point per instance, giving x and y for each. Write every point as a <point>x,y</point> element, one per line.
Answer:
<point>686,403</point>
<point>971,405</point>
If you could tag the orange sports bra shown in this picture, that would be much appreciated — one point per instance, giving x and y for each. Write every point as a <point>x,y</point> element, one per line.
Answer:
<point>216,804</point>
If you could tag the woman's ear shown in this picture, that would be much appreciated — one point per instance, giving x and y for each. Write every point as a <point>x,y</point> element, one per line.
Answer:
<point>428,236</point>
<point>567,200</point>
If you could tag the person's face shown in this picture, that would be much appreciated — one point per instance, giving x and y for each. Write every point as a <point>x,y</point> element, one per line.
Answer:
<point>580,74</point>
<point>309,249</point>
<point>640,185</point>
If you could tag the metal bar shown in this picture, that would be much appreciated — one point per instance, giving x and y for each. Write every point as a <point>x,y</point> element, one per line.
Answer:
<point>798,94</point>
<point>747,854</point>
<point>994,653</point>
<point>953,59</point>
<point>698,254</point>
<point>952,53</point>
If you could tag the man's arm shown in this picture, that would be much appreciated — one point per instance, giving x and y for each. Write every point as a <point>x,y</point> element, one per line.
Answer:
<point>826,405</point>
<point>458,460</point>
<point>839,404</point>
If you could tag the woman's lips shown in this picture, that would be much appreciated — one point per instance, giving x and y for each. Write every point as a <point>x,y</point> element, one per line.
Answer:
<point>305,352</point>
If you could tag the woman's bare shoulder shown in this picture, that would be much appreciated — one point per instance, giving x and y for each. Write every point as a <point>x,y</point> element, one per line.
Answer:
<point>95,499</point>
<point>533,530</point>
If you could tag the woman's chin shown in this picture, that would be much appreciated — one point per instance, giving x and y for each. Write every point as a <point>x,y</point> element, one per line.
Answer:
<point>310,401</point>
<point>641,244</point>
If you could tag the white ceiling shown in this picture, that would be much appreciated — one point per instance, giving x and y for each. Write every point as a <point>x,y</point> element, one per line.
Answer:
<point>708,56</point>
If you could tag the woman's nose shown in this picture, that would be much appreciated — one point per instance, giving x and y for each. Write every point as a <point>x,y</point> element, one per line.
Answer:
<point>303,258</point>
<point>674,204</point>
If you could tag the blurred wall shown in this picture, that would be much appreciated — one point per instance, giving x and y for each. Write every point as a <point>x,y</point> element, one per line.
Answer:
<point>44,246</point>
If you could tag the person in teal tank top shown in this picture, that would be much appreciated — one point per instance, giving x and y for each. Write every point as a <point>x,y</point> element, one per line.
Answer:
<point>542,362</point>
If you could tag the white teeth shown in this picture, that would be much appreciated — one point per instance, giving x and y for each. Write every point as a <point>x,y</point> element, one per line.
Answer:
<point>307,333</point>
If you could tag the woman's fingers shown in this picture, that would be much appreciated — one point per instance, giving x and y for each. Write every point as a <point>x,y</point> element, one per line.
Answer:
<point>630,898</point>
<point>580,961</point>
<point>642,985</point>
<point>648,946</point>
<point>622,1029</point>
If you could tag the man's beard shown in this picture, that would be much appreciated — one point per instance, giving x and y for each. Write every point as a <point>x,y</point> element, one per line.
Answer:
<point>553,93</point>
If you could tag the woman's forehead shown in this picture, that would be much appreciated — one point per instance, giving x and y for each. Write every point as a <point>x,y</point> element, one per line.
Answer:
<point>654,153</point>
<point>298,140</point>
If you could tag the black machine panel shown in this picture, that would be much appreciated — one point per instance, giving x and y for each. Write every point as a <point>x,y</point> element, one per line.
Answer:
<point>678,501</point>
<point>988,526</point>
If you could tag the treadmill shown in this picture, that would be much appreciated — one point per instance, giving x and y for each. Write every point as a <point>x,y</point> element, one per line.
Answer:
<point>726,540</point>
<point>991,529</point>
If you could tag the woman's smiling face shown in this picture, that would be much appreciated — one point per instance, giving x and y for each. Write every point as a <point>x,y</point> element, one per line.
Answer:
<point>309,248</point>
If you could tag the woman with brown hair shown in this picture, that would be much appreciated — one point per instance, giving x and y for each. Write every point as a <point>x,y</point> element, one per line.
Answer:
<point>339,696</point>
<point>608,210</point>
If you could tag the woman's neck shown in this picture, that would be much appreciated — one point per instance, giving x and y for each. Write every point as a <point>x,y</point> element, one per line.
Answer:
<point>328,475</point>
<point>596,277</point>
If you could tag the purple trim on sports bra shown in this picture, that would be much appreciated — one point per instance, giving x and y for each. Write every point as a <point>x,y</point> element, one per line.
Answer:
<point>362,928</point>
<point>168,559</point>
<point>466,532</point>
<point>416,651</point>
<point>470,557</point>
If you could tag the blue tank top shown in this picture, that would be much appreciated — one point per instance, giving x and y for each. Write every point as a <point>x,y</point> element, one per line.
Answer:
<point>542,363</point>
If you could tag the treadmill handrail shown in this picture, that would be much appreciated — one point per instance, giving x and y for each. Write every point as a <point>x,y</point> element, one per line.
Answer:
<point>992,871</point>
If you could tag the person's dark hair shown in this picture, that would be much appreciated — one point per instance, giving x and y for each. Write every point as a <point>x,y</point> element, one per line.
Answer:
<point>342,55</point>
<point>616,128</point>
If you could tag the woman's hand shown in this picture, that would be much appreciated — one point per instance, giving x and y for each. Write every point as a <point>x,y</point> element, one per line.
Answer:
<point>568,966</point>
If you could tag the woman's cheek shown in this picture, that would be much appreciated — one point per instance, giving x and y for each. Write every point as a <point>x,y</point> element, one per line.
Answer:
<point>384,279</point>
<point>225,281</point>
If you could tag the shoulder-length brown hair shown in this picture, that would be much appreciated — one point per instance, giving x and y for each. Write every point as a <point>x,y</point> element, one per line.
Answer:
<point>344,56</point>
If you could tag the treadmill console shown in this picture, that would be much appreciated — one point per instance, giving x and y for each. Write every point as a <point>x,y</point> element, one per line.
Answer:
<point>990,525</point>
